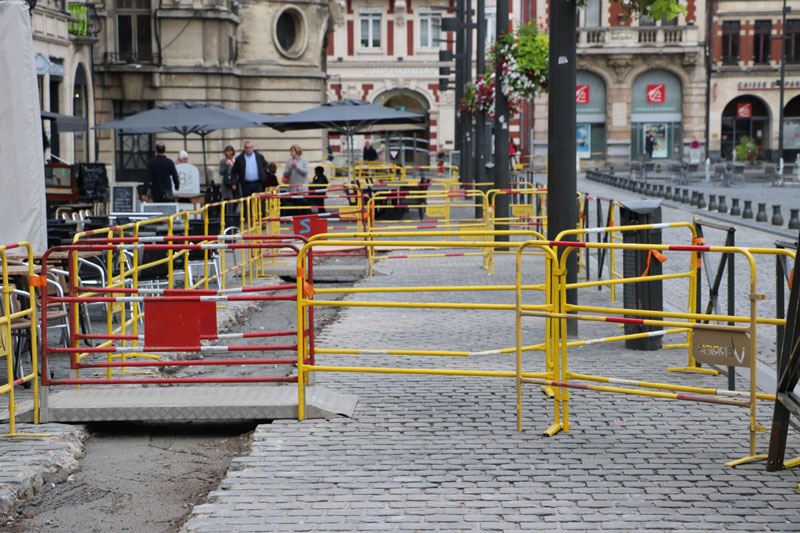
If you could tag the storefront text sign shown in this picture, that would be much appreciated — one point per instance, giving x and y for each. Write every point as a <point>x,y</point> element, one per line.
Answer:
<point>773,85</point>
<point>744,110</point>
<point>656,94</point>
<point>581,94</point>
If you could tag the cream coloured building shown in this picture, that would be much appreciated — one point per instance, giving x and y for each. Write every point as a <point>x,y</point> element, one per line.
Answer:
<point>62,39</point>
<point>263,56</point>
<point>745,81</point>
<point>633,76</point>
<point>387,52</point>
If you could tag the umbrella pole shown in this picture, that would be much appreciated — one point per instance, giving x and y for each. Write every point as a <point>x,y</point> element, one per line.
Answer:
<point>205,166</point>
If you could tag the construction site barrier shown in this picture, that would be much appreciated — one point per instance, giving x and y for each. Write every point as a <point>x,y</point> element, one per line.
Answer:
<point>738,345</point>
<point>179,320</point>
<point>19,320</point>
<point>310,297</point>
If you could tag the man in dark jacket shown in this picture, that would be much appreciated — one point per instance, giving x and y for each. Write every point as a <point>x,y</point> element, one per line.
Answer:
<point>159,171</point>
<point>250,170</point>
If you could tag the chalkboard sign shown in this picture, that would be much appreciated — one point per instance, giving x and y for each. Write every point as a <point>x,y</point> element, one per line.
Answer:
<point>123,199</point>
<point>95,180</point>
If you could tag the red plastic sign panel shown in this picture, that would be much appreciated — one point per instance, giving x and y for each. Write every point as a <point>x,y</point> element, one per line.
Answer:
<point>310,225</point>
<point>169,324</point>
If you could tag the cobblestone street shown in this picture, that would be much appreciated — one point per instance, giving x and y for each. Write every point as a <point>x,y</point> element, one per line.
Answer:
<point>443,454</point>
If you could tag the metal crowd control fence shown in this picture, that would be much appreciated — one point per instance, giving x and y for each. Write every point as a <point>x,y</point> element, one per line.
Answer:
<point>309,297</point>
<point>735,345</point>
<point>615,278</point>
<point>175,320</point>
<point>19,321</point>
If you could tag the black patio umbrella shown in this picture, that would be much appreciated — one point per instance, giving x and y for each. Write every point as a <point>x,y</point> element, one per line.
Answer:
<point>187,117</point>
<point>346,117</point>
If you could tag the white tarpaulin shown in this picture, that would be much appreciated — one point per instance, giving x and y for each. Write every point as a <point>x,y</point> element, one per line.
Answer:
<point>22,200</point>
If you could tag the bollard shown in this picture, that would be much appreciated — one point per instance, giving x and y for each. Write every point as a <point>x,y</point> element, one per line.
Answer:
<point>661,192</point>
<point>761,216</point>
<point>668,194</point>
<point>685,197</point>
<point>794,219</point>
<point>723,206</point>
<point>701,201</point>
<point>735,210</point>
<point>777,218</point>
<point>748,209</point>
<point>712,202</point>
<point>693,201</point>
<point>677,196</point>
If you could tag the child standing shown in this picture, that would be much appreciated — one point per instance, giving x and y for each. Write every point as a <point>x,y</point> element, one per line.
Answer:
<point>320,188</point>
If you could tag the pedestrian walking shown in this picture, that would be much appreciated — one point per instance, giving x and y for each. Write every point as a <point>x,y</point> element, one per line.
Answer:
<point>369,152</point>
<point>159,171</point>
<point>320,191</point>
<point>250,170</point>
<point>230,184</point>
<point>650,143</point>
<point>295,174</point>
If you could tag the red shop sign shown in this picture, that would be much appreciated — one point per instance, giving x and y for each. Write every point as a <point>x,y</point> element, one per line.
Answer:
<point>744,110</point>
<point>656,94</point>
<point>581,94</point>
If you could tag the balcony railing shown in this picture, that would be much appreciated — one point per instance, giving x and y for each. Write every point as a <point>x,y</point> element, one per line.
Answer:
<point>83,19</point>
<point>624,36</point>
<point>131,58</point>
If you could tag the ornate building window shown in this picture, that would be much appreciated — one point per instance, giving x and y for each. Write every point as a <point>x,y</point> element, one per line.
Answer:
<point>762,42</point>
<point>430,24</point>
<point>289,33</point>
<point>793,41</point>
<point>370,24</point>
<point>134,31</point>
<point>730,42</point>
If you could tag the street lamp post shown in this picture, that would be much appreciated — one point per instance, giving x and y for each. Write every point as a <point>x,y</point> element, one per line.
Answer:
<point>562,212</point>
<point>783,77</point>
<point>501,119</point>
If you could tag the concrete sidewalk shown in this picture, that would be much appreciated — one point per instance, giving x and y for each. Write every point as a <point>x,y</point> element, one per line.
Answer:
<point>433,453</point>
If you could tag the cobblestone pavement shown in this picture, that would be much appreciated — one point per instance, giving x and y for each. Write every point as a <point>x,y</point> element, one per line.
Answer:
<point>26,463</point>
<point>433,453</point>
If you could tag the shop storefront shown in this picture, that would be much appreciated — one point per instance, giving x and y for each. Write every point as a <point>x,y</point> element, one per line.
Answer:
<point>590,102</point>
<point>744,116</point>
<point>791,129</point>
<point>656,106</point>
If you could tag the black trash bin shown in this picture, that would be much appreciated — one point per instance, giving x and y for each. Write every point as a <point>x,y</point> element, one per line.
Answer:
<point>646,295</point>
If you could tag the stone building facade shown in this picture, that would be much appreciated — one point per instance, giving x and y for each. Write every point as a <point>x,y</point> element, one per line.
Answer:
<point>63,40</point>
<point>387,52</point>
<point>634,75</point>
<point>263,56</point>
<point>745,80</point>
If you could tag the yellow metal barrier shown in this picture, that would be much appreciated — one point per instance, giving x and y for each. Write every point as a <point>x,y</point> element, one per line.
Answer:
<point>307,296</point>
<point>26,314</point>
<point>742,340</point>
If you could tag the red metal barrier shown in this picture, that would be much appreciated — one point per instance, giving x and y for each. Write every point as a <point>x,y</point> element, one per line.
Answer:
<point>175,320</point>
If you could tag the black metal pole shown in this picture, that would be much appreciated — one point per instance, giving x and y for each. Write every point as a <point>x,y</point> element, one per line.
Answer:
<point>502,210</point>
<point>731,241</point>
<point>709,24</point>
<point>469,148</point>
<point>480,118</point>
<point>459,64</point>
<point>783,79</point>
<point>561,123</point>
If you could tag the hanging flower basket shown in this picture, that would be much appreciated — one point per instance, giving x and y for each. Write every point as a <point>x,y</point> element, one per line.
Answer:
<point>523,55</point>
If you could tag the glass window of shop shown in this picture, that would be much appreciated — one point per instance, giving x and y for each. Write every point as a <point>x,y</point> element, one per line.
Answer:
<point>133,151</point>
<point>791,130</point>
<point>656,106</point>
<point>590,103</point>
<point>745,116</point>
